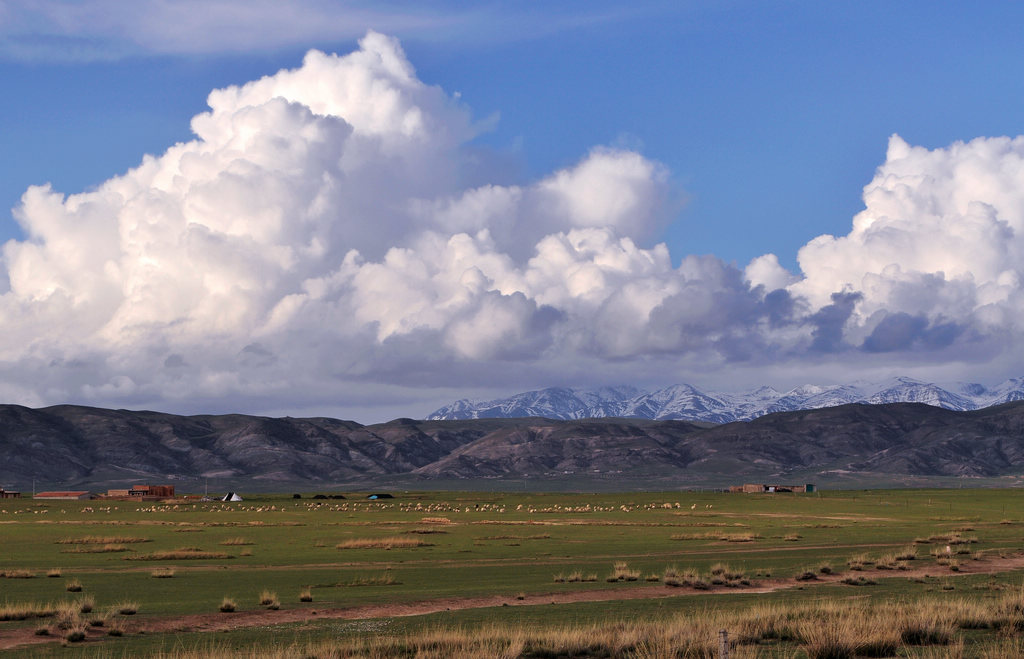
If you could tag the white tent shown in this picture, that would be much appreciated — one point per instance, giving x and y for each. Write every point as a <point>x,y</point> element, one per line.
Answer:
<point>231,496</point>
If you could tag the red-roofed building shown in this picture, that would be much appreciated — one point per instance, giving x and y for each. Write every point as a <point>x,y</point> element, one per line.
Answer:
<point>74,496</point>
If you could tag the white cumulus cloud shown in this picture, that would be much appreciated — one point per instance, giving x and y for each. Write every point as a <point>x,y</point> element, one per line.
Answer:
<point>941,239</point>
<point>315,246</point>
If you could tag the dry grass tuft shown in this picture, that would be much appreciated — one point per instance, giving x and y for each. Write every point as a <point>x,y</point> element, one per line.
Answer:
<point>383,579</point>
<point>162,573</point>
<point>227,605</point>
<point>18,574</point>
<point>92,549</point>
<point>738,537</point>
<point>73,586</point>
<point>382,543</point>
<point>859,581</point>
<point>237,541</point>
<point>179,554</point>
<point>102,540</point>
<point>859,562</point>
<point>622,572</point>
<point>85,604</point>
<point>306,594</point>
<point>24,611</point>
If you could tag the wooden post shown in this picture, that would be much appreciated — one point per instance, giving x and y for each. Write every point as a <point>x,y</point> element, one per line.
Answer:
<point>723,644</point>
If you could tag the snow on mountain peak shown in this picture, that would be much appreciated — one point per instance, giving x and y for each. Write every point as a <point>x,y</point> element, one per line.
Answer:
<point>686,402</point>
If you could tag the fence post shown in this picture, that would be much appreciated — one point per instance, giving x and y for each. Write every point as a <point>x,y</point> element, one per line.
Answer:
<point>723,644</point>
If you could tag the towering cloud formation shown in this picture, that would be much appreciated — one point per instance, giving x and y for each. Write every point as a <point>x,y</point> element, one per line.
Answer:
<point>318,237</point>
<point>936,254</point>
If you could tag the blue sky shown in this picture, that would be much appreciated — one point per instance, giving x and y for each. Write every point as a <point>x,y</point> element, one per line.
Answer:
<point>771,116</point>
<point>756,124</point>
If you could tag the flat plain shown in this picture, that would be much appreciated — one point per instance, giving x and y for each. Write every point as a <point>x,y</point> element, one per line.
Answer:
<point>437,574</point>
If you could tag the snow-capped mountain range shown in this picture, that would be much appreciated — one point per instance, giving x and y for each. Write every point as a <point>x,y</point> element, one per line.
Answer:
<point>685,402</point>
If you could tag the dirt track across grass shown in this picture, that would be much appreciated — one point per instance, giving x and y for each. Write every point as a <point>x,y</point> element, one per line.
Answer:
<point>215,622</point>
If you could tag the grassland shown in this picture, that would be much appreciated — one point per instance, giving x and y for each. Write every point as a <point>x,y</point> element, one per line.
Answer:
<point>844,573</point>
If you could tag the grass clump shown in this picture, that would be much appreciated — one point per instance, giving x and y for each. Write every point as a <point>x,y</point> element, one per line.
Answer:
<point>306,594</point>
<point>73,586</point>
<point>622,572</point>
<point>266,597</point>
<point>385,578</point>
<point>19,574</point>
<point>859,581</point>
<point>237,541</point>
<point>103,540</point>
<point>54,573</point>
<point>673,578</point>
<point>96,549</point>
<point>179,554</point>
<point>738,537</point>
<point>127,608</point>
<point>74,635</point>
<point>227,605</point>
<point>24,611</point>
<point>85,604</point>
<point>163,573</point>
<point>859,561</point>
<point>382,543</point>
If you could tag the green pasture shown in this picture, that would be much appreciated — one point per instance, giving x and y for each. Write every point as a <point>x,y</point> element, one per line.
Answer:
<point>480,544</point>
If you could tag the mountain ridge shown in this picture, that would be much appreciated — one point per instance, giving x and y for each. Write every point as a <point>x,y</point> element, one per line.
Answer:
<point>70,446</point>
<point>686,402</point>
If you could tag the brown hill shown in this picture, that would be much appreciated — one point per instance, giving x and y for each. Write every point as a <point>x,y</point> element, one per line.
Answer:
<point>89,446</point>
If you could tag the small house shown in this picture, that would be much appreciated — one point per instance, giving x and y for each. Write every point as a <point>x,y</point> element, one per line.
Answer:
<point>771,488</point>
<point>9,494</point>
